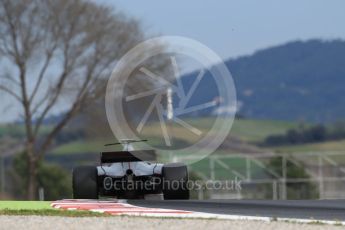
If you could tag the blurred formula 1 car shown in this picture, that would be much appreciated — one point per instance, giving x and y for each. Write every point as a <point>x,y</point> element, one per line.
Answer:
<point>130,174</point>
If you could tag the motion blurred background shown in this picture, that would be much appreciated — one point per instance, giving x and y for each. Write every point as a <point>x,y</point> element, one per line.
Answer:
<point>287,60</point>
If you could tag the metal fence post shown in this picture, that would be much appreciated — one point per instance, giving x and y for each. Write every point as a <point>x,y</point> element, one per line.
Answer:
<point>248,169</point>
<point>212,174</point>
<point>321,184</point>
<point>275,190</point>
<point>2,172</point>
<point>284,174</point>
<point>200,194</point>
<point>41,194</point>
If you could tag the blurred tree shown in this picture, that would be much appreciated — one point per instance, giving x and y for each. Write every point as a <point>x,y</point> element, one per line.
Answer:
<point>55,180</point>
<point>57,53</point>
<point>301,135</point>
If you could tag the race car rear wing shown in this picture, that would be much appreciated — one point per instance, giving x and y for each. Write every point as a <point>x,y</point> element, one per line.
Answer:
<point>128,156</point>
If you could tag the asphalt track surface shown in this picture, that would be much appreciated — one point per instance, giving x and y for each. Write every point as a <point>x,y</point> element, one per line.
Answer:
<point>297,209</point>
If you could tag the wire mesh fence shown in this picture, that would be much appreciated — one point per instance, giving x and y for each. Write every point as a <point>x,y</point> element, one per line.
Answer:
<point>317,175</point>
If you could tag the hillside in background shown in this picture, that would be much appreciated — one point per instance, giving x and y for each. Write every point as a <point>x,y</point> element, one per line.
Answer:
<point>296,81</point>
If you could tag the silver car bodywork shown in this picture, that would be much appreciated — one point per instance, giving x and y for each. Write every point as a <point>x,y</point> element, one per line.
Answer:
<point>139,168</point>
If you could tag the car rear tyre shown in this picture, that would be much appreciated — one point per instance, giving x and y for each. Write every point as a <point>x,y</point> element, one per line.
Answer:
<point>84,182</point>
<point>175,179</point>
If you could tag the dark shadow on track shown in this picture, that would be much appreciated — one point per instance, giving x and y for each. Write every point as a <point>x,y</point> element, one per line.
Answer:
<point>300,209</point>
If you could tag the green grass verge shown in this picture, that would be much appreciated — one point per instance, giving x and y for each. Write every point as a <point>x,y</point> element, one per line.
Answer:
<point>40,208</point>
<point>18,130</point>
<point>247,130</point>
<point>237,164</point>
<point>258,130</point>
<point>87,146</point>
<point>51,212</point>
<point>19,205</point>
<point>79,147</point>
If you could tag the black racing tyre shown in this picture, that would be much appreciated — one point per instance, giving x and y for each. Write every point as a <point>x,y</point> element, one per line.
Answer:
<point>175,179</point>
<point>84,182</point>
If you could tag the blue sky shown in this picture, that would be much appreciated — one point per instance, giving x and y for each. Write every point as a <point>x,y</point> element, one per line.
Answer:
<point>231,28</point>
<point>235,28</point>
